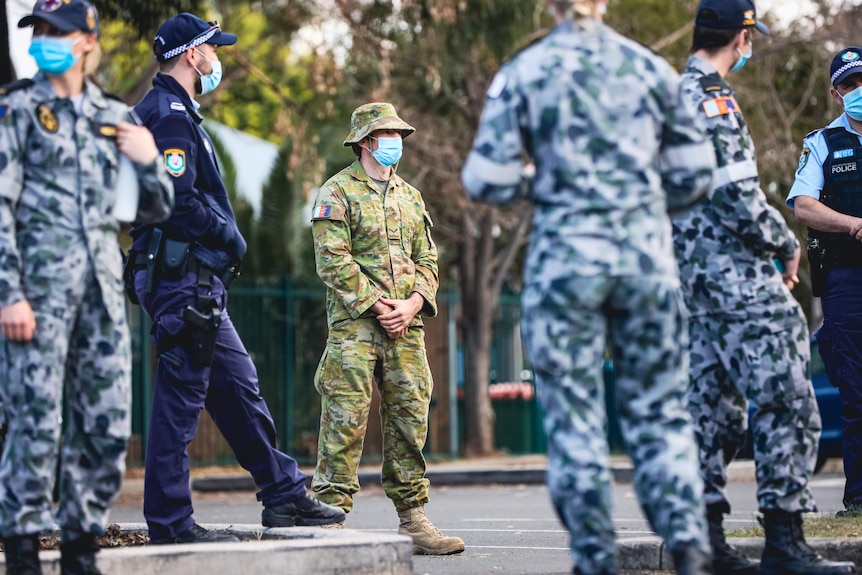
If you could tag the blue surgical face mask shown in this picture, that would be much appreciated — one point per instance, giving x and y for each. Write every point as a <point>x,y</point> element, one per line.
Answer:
<point>388,150</point>
<point>853,104</point>
<point>743,58</point>
<point>53,55</point>
<point>210,81</point>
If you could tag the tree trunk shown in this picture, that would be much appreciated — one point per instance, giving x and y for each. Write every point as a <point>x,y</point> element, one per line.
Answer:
<point>479,304</point>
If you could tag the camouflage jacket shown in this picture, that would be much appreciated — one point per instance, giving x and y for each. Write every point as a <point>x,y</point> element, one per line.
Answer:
<point>58,174</point>
<point>370,245</point>
<point>726,242</point>
<point>613,146</point>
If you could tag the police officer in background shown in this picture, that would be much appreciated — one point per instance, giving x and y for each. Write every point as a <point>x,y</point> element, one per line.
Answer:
<point>62,310</point>
<point>614,149</point>
<point>380,283</point>
<point>182,270</point>
<point>748,336</point>
<point>825,197</point>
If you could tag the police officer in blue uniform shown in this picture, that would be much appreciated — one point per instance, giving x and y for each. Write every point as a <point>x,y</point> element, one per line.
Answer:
<point>827,197</point>
<point>182,269</point>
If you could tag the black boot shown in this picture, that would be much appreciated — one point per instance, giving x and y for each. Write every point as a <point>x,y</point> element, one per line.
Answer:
<point>689,560</point>
<point>787,553</point>
<point>78,557</point>
<point>725,559</point>
<point>22,555</point>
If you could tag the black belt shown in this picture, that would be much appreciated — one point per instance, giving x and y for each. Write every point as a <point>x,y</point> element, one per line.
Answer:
<point>227,275</point>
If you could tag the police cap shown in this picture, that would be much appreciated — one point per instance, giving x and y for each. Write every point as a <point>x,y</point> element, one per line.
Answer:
<point>845,63</point>
<point>185,31</point>
<point>64,15</point>
<point>728,15</point>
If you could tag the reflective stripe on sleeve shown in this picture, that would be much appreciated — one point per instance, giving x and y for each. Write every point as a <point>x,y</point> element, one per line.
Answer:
<point>691,156</point>
<point>478,167</point>
<point>734,173</point>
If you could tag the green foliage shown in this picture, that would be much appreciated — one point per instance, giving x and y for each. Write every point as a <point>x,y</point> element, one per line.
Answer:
<point>145,16</point>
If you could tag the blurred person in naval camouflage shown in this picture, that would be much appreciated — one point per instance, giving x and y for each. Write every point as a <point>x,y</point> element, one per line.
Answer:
<point>614,149</point>
<point>748,336</point>
<point>62,309</point>
<point>374,252</point>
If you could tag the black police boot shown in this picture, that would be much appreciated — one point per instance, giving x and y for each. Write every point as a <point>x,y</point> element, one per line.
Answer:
<point>304,510</point>
<point>22,555</point>
<point>195,534</point>
<point>787,553</point>
<point>78,557</point>
<point>725,559</point>
<point>689,560</point>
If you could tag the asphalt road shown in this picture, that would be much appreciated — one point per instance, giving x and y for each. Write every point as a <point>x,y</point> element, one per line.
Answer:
<point>507,529</point>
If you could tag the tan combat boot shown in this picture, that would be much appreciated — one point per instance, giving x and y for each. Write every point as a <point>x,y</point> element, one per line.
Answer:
<point>427,539</point>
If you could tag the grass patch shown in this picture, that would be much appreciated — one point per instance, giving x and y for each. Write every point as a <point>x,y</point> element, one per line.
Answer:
<point>832,527</point>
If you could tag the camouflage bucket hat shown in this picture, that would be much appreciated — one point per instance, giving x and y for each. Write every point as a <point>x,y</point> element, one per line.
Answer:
<point>375,116</point>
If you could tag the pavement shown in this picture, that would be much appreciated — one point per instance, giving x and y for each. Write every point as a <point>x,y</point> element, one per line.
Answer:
<point>316,551</point>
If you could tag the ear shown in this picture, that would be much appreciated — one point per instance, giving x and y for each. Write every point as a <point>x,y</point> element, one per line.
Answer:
<point>740,39</point>
<point>89,42</point>
<point>836,97</point>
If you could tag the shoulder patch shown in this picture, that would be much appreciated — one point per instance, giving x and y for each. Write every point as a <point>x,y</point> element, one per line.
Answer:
<point>175,161</point>
<point>17,85</point>
<point>328,212</point>
<point>720,106</point>
<point>803,159</point>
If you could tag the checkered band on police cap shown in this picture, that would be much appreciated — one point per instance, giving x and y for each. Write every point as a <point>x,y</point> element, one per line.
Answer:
<point>845,63</point>
<point>185,31</point>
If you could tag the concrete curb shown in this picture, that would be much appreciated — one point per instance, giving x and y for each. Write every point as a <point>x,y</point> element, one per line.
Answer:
<point>307,550</point>
<point>649,553</point>
<point>622,472</point>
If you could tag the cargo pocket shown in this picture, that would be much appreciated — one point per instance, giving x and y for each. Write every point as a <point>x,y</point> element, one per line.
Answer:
<point>329,369</point>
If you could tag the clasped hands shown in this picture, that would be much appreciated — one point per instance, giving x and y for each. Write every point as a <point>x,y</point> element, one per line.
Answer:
<point>395,315</point>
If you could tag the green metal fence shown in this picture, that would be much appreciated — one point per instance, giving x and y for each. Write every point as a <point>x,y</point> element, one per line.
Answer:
<point>283,327</point>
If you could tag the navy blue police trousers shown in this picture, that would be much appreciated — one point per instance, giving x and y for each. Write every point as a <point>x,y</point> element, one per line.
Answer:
<point>840,343</point>
<point>230,393</point>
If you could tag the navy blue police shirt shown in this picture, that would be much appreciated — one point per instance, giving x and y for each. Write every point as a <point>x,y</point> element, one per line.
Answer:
<point>203,214</point>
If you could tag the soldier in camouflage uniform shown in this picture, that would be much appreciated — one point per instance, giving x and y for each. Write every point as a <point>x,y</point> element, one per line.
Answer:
<point>62,309</point>
<point>374,252</point>
<point>748,336</point>
<point>614,149</point>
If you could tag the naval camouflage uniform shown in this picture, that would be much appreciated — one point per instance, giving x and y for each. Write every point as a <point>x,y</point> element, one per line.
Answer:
<point>614,149</point>
<point>370,244</point>
<point>748,336</point>
<point>59,252</point>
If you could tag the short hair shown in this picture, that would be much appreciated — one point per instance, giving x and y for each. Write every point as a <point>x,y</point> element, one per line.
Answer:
<point>357,149</point>
<point>712,39</point>
<point>169,65</point>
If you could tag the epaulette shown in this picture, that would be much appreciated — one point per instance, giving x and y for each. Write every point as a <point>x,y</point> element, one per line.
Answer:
<point>711,82</point>
<point>112,96</point>
<point>176,105</point>
<point>812,132</point>
<point>15,86</point>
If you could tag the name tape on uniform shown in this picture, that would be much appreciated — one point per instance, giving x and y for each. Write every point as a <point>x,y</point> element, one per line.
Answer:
<point>720,106</point>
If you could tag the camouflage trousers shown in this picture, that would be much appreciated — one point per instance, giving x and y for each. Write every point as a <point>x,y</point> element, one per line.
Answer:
<point>734,361</point>
<point>566,326</point>
<point>358,354</point>
<point>77,349</point>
